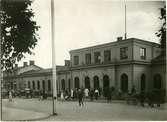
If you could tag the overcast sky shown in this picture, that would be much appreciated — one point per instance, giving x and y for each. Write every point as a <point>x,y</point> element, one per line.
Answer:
<point>82,23</point>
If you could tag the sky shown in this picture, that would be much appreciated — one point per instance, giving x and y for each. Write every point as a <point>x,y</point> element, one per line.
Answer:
<point>83,23</point>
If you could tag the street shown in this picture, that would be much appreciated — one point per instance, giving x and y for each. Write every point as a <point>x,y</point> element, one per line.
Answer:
<point>91,111</point>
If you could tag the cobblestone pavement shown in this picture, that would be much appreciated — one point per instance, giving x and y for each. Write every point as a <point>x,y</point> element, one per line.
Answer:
<point>91,111</point>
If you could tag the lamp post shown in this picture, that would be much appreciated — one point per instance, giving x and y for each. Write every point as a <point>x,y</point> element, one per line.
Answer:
<point>54,88</point>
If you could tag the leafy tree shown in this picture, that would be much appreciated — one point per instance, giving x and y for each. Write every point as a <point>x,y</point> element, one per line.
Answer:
<point>18,31</point>
<point>162,31</point>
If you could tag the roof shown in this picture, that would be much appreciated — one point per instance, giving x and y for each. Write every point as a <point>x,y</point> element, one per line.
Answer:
<point>118,42</point>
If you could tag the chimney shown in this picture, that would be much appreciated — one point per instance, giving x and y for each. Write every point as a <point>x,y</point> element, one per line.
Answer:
<point>24,64</point>
<point>16,65</point>
<point>119,38</point>
<point>67,62</point>
<point>32,62</point>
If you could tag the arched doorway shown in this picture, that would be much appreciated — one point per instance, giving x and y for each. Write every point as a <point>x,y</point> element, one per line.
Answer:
<point>76,80</point>
<point>124,83</point>
<point>143,82</point>
<point>96,82</point>
<point>63,84</point>
<point>106,83</point>
<point>157,81</point>
<point>87,82</point>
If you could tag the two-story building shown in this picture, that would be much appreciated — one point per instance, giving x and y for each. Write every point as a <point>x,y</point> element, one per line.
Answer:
<point>121,64</point>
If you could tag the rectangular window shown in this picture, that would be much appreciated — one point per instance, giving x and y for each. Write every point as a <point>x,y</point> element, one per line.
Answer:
<point>88,58</point>
<point>124,53</point>
<point>76,60</point>
<point>97,57</point>
<point>143,53</point>
<point>107,55</point>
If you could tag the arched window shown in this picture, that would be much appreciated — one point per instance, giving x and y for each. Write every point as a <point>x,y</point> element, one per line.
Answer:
<point>49,85</point>
<point>124,83</point>
<point>43,85</point>
<point>33,84</point>
<point>87,82</point>
<point>143,82</point>
<point>38,85</point>
<point>69,84</point>
<point>96,82</point>
<point>157,81</point>
<point>106,83</point>
<point>76,80</point>
<point>29,84</point>
<point>63,84</point>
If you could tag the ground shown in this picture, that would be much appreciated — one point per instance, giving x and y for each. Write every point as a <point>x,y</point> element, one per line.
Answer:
<point>91,111</point>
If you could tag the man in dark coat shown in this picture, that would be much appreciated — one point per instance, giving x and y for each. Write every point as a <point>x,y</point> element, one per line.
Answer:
<point>80,97</point>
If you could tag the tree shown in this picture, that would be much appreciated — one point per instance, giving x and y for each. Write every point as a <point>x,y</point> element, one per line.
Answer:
<point>18,31</point>
<point>162,31</point>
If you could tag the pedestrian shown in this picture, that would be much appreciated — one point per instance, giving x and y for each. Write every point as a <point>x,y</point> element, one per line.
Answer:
<point>72,94</point>
<point>80,97</point>
<point>40,96</point>
<point>75,94</point>
<point>91,94</point>
<point>86,91</point>
<point>96,94</point>
<point>109,95</point>
<point>142,98</point>
<point>62,95</point>
<point>10,96</point>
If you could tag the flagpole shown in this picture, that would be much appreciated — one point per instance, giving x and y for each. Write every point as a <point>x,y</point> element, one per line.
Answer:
<point>54,87</point>
<point>125,21</point>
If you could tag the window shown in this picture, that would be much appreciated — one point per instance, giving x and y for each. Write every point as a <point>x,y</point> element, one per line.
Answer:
<point>33,84</point>
<point>88,58</point>
<point>124,53</point>
<point>76,60</point>
<point>38,85</point>
<point>49,85</point>
<point>107,55</point>
<point>43,85</point>
<point>29,84</point>
<point>69,84</point>
<point>143,53</point>
<point>97,57</point>
<point>63,84</point>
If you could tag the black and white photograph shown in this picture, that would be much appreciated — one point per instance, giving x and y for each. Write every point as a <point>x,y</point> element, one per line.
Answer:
<point>83,60</point>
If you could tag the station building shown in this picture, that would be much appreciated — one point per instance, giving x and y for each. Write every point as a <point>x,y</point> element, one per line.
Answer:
<point>122,64</point>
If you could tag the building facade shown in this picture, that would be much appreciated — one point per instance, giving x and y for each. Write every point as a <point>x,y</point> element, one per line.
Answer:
<point>122,64</point>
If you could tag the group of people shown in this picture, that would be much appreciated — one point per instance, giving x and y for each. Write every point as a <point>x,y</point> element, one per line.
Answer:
<point>79,94</point>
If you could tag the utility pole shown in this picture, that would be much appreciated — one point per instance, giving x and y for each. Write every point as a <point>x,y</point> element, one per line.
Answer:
<point>54,88</point>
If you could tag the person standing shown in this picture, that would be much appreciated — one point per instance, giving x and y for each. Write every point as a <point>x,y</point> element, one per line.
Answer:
<point>80,97</point>
<point>91,94</point>
<point>10,96</point>
<point>62,95</point>
<point>86,92</point>
<point>96,94</point>
<point>72,95</point>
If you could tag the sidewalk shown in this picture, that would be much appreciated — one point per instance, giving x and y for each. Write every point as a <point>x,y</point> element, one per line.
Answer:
<point>20,114</point>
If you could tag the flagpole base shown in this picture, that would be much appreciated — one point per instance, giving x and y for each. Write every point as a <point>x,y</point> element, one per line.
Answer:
<point>55,114</point>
